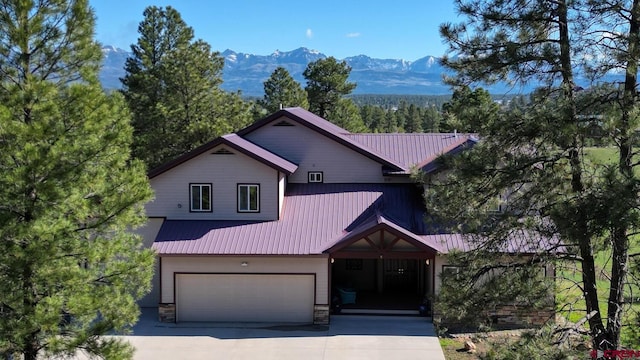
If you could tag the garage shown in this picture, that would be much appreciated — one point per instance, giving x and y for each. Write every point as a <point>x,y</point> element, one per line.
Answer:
<point>245,297</point>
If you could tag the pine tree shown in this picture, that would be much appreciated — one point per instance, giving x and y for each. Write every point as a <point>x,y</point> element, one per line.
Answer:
<point>326,85</point>
<point>468,110</point>
<point>172,86</point>
<point>71,269</point>
<point>413,123</point>
<point>536,156</point>
<point>281,90</point>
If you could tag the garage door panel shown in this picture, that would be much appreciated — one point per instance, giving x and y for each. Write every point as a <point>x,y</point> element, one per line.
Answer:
<point>245,297</point>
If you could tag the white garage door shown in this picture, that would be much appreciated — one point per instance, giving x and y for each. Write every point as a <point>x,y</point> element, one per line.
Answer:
<point>245,297</point>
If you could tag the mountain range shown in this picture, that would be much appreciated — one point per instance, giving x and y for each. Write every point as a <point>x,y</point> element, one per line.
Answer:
<point>247,72</point>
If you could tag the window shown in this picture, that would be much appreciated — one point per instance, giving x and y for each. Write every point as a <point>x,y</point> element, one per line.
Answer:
<point>200,197</point>
<point>451,271</point>
<point>248,198</point>
<point>315,176</point>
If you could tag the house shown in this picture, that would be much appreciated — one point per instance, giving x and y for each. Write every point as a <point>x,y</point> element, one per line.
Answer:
<point>290,215</point>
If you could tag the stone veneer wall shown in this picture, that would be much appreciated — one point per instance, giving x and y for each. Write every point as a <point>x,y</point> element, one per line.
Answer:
<point>321,314</point>
<point>167,313</point>
<point>508,316</point>
<point>514,315</point>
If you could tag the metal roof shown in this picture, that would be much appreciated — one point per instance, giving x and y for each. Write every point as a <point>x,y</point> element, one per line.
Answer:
<point>327,128</point>
<point>259,153</point>
<point>414,149</point>
<point>235,142</point>
<point>317,218</point>
<point>314,216</point>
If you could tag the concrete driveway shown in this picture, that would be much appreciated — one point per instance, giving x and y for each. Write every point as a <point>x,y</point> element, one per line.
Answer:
<point>347,337</point>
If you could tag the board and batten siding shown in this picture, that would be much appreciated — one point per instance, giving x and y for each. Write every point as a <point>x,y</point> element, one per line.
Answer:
<point>255,265</point>
<point>312,151</point>
<point>224,173</point>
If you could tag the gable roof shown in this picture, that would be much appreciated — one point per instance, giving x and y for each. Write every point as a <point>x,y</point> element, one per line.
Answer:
<point>415,149</point>
<point>328,129</point>
<point>239,144</point>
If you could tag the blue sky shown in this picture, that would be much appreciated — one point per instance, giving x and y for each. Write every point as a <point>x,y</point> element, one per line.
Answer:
<point>405,29</point>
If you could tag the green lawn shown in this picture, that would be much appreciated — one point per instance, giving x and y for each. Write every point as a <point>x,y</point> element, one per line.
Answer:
<point>569,296</point>
<point>569,274</point>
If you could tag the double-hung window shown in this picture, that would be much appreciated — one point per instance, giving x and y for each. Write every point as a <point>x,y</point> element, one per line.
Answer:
<point>248,198</point>
<point>200,197</point>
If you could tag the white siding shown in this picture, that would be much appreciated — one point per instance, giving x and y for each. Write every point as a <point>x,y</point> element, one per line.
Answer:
<point>149,232</point>
<point>224,172</point>
<point>282,187</point>
<point>312,151</point>
<point>222,264</point>
<point>440,261</point>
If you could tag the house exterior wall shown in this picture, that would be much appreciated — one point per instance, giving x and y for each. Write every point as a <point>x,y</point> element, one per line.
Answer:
<point>439,261</point>
<point>508,315</point>
<point>312,151</point>
<point>148,232</point>
<point>282,187</point>
<point>232,264</point>
<point>224,173</point>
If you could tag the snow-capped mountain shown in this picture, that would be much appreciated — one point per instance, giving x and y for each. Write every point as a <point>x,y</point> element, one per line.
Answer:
<point>247,72</point>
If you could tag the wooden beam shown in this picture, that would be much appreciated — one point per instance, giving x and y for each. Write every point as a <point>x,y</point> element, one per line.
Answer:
<point>395,241</point>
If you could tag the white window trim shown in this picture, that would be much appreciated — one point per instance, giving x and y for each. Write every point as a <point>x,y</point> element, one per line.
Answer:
<point>315,177</point>
<point>247,188</point>
<point>200,186</point>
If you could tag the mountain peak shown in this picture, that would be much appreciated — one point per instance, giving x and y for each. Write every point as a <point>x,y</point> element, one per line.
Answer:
<point>247,72</point>
<point>111,48</point>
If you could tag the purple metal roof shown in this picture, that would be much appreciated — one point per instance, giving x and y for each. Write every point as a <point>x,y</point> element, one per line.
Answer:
<point>415,149</point>
<point>236,142</point>
<point>314,216</point>
<point>261,154</point>
<point>327,128</point>
<point>318,218</point>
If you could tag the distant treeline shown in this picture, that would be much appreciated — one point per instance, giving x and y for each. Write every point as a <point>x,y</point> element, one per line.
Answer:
<point>388,101</point>
<point>393,101</point>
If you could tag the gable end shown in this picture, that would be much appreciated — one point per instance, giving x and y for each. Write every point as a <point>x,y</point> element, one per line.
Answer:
<point>283,123</point>
<point>222,151</point>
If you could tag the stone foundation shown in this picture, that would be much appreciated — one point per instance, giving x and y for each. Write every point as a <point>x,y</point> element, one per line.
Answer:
<point>321,315</point>
<point>506,317</point>
<point>513,315</point>
<point>167,313</point>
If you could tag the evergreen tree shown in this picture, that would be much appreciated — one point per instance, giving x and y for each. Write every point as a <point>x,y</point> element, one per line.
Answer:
<point>402,115</point>
<point>390,122</point>
<point>172,86</point>
<point>535,156</point>
<point>468,110</point>
<point>378,119</point>
<point>281,90</point>
<point>347,115</point>
<point>71,270</point>
<point>326,85</point>
<point>413,123</point>
<point>432,119</point>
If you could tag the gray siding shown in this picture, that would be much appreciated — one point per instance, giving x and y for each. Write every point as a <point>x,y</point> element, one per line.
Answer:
<point>315,152</point>
<point>223,172</point>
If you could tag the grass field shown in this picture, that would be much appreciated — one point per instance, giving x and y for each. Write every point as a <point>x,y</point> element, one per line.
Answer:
<point>569,295</point>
